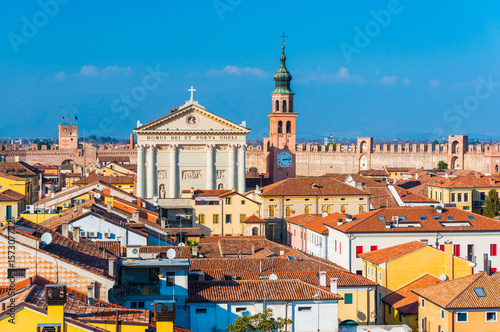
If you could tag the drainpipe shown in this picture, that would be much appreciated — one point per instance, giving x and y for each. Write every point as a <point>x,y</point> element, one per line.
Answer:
<point>222,216</point>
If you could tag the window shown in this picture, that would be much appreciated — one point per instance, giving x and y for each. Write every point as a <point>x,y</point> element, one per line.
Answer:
<point>284,106</point>
<point>215,219</point>
<point>140,304</point>
<point>241,309</point>
<point>271,211</point>
<point>242,216</point>
<point>243,202</point>
<point>348,298</point>
<point>459,197</point>
<point>340,247</point>
<point>364,269</point>
<point>453,197</point>
<point>437,217</point>
<point>479,291</point>
<point>201,310</point>
<point>379,275</point>
<point>288,210</point>
<point>133,305</point>
<point>228,218</point>
<point>201,218</point>
<point>423,218</point>
<point>399,316</point>
<point>16,273</point>
<point>451,218</point>
<point>493,249</point>
<point>307,209</point>
<point>442,314</point>
<point>373,248</point>
<point>456,249</point>
<point>361,208</point>
<point>359,250</point>
<point>483,196</point>
<point>305,308</point>
<point>461,317</point>
<point>379,299</point>
<point>228,200</point>
<point>491,316</point>
<point>466,197</point>
<point>343,208</point>
<point>422,303</point>
<point>381,218</point>
<point>471,217</point>
<point>170,279</point>
<point>276,106</point>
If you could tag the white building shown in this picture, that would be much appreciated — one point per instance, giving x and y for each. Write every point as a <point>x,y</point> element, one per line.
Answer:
<point>214,305</point>
<point>189,148</point>
<point>473,235</point>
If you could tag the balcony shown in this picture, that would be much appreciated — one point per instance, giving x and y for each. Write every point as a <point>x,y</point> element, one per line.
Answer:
<point>477,203</point>
<point>121,292</point>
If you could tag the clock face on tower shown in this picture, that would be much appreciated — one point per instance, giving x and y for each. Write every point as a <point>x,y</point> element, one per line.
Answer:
<point>284,159</point>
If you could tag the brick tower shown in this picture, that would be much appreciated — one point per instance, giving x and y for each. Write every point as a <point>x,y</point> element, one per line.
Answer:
<point>280,144</point>
<point>68,137</point>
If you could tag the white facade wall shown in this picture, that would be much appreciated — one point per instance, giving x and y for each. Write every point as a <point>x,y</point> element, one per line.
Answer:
<point>317,244</point>
<point>480,240</point>
<point>92,223</point>
<point>306,315</point>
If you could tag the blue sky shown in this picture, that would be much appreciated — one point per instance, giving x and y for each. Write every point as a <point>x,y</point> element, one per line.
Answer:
<point>417,69</point>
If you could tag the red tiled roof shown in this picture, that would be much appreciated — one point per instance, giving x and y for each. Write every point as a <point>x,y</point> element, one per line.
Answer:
<point>18,168</point>
<point>391,253</point>
<point>374,172</point>
<point>404,300</point>
<point>211,192</point>
<point>256,290</point>
<point>467,181</point>
<point>460,294</point>
<point>108,179</point>
<point>253,219</point>
<point>180,252</point>
<point>411,197</point>
<point>315,222</point>
<point>114,158</point>
<point>310,186</point>
<point>10,195</point>
<point>370,222</point>
<point>12,177</point>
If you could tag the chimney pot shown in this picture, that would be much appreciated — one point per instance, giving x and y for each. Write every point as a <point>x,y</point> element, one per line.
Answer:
<point>109,206</point>
<point>333,285</point>
<point>135,216</point>
<point>339,221</point>
<point>111,267</point>
<point>76,233</point>
<point>64,229</point>
<point>322,278</point>
<point>488,270</point>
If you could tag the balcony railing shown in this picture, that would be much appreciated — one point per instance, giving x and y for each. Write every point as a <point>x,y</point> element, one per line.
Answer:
<point>122,291</point>
<point>477,203</point>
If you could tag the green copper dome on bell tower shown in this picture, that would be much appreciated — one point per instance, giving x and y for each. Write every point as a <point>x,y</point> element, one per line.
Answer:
<point>282,78</point>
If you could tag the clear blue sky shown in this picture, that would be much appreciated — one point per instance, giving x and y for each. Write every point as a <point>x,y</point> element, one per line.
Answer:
<point>401,82</point>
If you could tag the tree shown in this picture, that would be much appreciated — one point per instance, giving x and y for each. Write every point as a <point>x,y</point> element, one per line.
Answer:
<point>261,322</point>
<point>442,165</point>
<point>492,208</point>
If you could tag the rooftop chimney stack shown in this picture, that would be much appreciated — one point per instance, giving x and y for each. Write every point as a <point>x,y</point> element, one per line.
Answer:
<point>322,278</point>
<point>333,285</point>
<point>111,267</point>
<point>135,216</point>
<point>76,233</point>
<point>163,222</point>
<point>90,293</point>
<point>108,207</point>
<point>485,262</point>
<point>64,229</point>
<point>339,221</point>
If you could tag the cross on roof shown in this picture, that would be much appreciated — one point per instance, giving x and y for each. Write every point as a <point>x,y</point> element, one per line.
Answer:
<point>192,90</point>
<point>284,36</point>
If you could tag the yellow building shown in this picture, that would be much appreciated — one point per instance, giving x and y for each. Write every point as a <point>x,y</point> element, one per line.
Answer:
<point>398,266</point>
<point>125,183</point>
<point>11,205</point>
<point>220,212</point>
<point>462,305</point>
<point>467,192</point>
<point>309,195</point>
<point>22,178</point>
<point>69,310</point>
<point>71,178</point>
<point>396,173</point>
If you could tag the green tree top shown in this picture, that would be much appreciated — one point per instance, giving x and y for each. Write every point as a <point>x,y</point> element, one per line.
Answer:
<point>442,165</point>
<point>492,207</point>
<point>261,322</point>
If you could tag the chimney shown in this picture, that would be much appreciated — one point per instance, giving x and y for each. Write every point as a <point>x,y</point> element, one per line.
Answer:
<point>76,233</point>
<point>76,207</point>
<point>164,313</point>
<point>135,216</point>
<point>485,262</point>
<point>90,293</point>
<point>106,191</point>
<point>163,222</point>
<point>55,298</point>
<point>194,251</point>
<point>449,260</point>
<point>139,202</point>
<point>64,229</point>
<point>339,221</point>
<point>253,249</point>
<point>488,270</point>
<point>439,209</point>
<point>388,225</point>
<point>131,141</point>
<point>478,175</point>
<point>348,218</point>
<point>111,267</point>
<point>333,285</point>
<point>108,207</point>
<point>322,278</point>
<point>282,252</point>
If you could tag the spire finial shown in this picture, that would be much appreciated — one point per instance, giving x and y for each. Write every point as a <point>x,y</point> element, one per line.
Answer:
<point>283,36</point>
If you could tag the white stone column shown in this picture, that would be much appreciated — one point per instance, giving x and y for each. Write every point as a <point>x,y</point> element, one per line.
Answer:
<point>151,183</point>
<point>172,190</point>
<point>241,169</point>
<point>231,167</point>
<point>140,171</point>
<point>210,166</point>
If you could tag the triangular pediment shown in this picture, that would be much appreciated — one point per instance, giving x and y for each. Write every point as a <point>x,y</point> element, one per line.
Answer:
<point>191,118</point>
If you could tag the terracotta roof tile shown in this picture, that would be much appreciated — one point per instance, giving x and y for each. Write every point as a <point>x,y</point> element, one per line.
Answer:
<point>253,219</point>
<point>391,253</point>
<point>108,179</point>
<point>315,186</point>
<point>467,181</point>
<point>10,195</point>
<point>404,300</point>
<point>256,290</point>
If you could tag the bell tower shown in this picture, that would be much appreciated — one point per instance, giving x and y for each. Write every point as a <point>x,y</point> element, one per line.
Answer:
<point>281,142</point>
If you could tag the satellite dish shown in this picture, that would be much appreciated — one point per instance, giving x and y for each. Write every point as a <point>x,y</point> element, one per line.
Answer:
<point>171,253</point>
<point>443,277</point>
<point>181,244</point>
<point>273,277</point>
<point>46,238</point>
<point>98,195</point>
<point>324,214</point>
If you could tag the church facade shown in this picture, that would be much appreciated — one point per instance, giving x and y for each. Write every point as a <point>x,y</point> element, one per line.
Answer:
<point>190,148</point>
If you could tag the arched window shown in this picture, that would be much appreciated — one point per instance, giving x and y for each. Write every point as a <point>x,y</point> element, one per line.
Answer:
<point>280,127</point>
<point>255,231</point>
<point>496,169</point>
<point>277,106</point>
<point>220,186</point>
<point>284,106</point>
<point>288,127</point>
